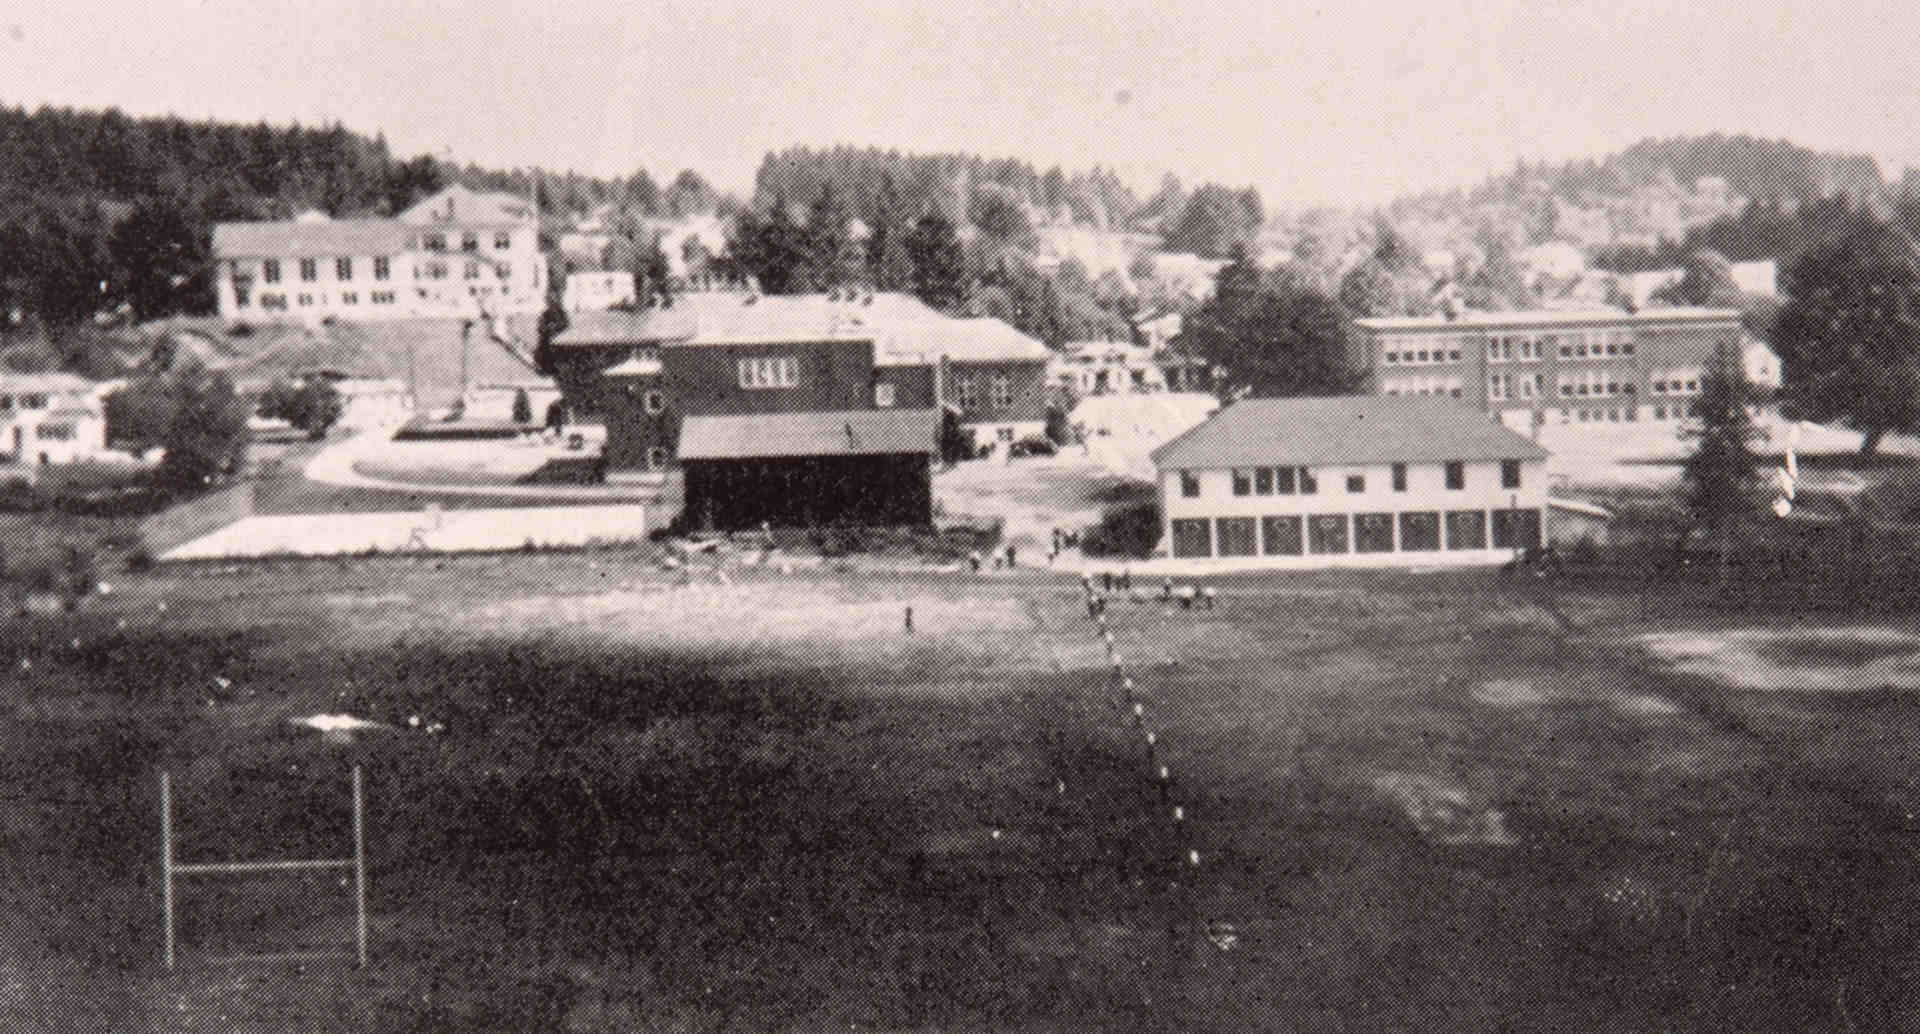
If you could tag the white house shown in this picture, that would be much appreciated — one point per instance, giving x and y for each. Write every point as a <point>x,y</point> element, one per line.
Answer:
<point>598,290</point>
<point>1090,368</point>
<point>49,418</point>
<point>1350,481</point>
<point>457,253</point>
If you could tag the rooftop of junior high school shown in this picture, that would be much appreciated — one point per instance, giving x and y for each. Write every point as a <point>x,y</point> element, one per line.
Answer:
<point>905,331</point>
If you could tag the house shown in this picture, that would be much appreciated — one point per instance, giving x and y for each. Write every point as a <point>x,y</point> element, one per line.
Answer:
<point>598,289</point>
<point>1352,480</point>
<point>457,253</point>
<point>1089,368</point>
<point>48,418</point>
<point>1533,368</point>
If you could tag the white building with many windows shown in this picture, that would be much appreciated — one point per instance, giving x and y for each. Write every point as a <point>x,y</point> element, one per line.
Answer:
<point>457,253</point>
<point>49,418</point>
<point>1354,481</point>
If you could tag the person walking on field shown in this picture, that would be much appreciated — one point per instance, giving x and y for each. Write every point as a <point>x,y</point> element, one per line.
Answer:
<point>973,560</point>
<point>1012,557</point>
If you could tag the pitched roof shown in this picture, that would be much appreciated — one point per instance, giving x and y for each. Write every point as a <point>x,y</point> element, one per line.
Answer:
<point>866,432</point>
<point>57,382</point>
<point>458,205</point>
<point>1548,318</point>
<point>905,332</point>
<point>620,327</point>
<point>288,238</point>
<point>1344,429</point>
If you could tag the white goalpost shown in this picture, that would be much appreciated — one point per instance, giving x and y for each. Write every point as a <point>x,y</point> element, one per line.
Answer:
<point>172,871</point>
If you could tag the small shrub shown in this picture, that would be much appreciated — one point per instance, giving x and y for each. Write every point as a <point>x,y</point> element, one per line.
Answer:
<point>140,558</point>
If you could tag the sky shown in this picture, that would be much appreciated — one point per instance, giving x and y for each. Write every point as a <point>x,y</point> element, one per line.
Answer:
<point>1341,103</point>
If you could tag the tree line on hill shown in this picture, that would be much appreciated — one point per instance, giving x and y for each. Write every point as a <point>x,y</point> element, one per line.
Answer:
<point>105,213</point>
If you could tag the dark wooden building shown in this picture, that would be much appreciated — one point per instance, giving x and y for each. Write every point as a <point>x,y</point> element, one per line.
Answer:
<point>866,467</point>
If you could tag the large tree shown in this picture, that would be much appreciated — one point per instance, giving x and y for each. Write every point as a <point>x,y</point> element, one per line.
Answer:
<point>888,265</point>
<point>162,259</point>
<point>773,249</point>
<point>1848,334</point>
<point>1271,335</point>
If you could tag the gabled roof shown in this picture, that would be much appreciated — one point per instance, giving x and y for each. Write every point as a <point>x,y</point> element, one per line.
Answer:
<point>863,432</point>
<point>905,332</point>
<point>54,383</point>
<point>620,327</point>
<point>459,206</point>
<point>1344,429</point>
<point>347,237</point>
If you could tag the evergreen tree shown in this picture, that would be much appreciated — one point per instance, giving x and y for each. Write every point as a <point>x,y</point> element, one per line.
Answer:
<point>939,263</point>
<point>888,266</point>
<point>1721,477</point>
<point>1272,336</point>
<point>162,260</point>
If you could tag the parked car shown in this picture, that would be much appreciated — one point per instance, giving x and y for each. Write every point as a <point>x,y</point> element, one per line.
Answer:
<point>1031,447</point>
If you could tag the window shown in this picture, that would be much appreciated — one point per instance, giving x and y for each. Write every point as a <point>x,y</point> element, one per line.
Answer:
<point>1497,386</point>
<point>1192,537</point>
<point>1284,480</point>
<point>1308,485</point>
<point>1466,529</point>
<point>769,372</point>
<point>1456,475</point>
<point>1002,392</point>
<point>1263,481</point>
<point>6,402</point>
<point>306,299</point>
<point>469,242</point>
<point>1516,529</point>
<point>382,268</point>
<point>1189,485</point>
<point>1356,483</point>
<point>1242,483</point>
<point>273,301</point>
<point>382,297</point>
<point>435,242</point>
<point>309,270</point>
<point>1399,477</point>
<point>1419,531</point>
<point>473,271</point>
<point>1236,536</point>
<point>54,432</point>
<point>343,269</point>
<point>1509,473</point>
<point>656,458</point>
<point>1373,533</point>
<point>270,271</point>
<point>1327,533</point>
<point>883,395</point>
<point>502,241</point>
<point>436,271</point>
<point>349,297</point>
<point>1004,434</point>
<point>967,391</point>
<point>33,400</point>
<point>654,402</point>
<point>1281,536</point>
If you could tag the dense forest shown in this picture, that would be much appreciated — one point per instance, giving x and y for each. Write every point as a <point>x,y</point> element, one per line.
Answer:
<point>105,213</point>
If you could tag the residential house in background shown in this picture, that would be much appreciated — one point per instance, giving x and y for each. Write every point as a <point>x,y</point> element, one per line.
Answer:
<point>1092,368</point>
<point>48,418</point>
<point>1541,367</point>
<point>1353,480</point>
<point>598,289</point>
<point>457,253</point>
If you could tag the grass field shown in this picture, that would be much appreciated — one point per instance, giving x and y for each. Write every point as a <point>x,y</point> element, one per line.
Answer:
<point>661,802</point>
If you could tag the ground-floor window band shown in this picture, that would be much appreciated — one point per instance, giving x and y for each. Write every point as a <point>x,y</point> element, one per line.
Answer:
<point>1414,531</point>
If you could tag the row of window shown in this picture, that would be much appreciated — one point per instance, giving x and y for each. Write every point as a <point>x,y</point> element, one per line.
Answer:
<point>1422,386</point>
<point>1682,382</point>
<point>1593,383</point>
<point>1322,534</point>
<point>779,371</point>
<point>1509,348</point>
<point>1303,481</point>
<point>26,400</point>
<point>1518,385</point>
<point>438,271</point>
<point>274,301</point>
<point>310,270</point>
<point>967,392</point>
<point>468,241</point>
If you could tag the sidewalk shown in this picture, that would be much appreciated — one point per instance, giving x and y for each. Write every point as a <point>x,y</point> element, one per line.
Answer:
<point>431,530</point>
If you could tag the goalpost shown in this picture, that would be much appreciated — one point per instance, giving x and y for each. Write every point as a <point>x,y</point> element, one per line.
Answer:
<point>170,871</point>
